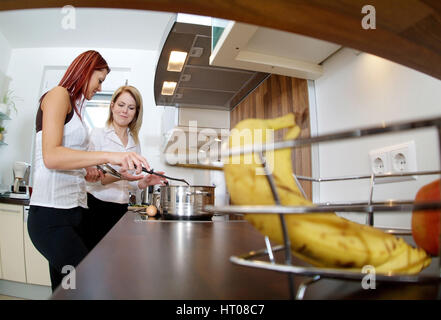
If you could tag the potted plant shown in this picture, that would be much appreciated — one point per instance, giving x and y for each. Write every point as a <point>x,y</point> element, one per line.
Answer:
<point>7,102</point>
<point>2,129</point>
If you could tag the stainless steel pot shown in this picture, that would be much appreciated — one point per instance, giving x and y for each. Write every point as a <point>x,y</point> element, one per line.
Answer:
<point>186,202</point>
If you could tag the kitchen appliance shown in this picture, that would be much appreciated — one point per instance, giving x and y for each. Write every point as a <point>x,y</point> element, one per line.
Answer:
<point>20,188</point>
<point>186,202</point>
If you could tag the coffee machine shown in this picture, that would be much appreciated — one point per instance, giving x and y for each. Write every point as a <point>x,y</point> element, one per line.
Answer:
<point>20,188</point>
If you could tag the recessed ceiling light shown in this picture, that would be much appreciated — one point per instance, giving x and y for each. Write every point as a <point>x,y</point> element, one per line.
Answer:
<point>168,88</point>
<point>196,52</point>
<point>176,61</point>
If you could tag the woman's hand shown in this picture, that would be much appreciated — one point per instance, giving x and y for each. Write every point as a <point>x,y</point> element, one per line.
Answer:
<point>151,180</point>
<point>126,175</point>
<point>93,174</point>
<point>129,161</point>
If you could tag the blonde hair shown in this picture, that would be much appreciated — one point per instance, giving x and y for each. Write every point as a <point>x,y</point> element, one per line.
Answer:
<point>135,124</point>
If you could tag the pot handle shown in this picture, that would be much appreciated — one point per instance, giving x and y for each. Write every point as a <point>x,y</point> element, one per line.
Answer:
<point>198,192</point>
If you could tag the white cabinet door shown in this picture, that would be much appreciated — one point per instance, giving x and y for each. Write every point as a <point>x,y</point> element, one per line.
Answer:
<point>11,243</point>
<point>37,267</point>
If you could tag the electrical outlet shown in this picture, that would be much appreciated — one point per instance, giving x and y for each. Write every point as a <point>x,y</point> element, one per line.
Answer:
<point>403,158</point>
<point>379,161</point>
<point>395,159</point>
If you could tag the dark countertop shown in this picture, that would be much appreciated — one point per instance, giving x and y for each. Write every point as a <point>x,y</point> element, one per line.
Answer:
<point>167,260</point>
<point>8,200</point>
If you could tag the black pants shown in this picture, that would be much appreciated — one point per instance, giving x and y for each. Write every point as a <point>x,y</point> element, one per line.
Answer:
<point>103,216</point>
<point>58,234</point>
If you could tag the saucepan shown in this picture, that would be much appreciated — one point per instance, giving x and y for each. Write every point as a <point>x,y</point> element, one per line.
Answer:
<point>186,202</point>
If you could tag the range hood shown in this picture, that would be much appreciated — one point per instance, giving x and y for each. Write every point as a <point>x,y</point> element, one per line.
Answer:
<point>200,85</point>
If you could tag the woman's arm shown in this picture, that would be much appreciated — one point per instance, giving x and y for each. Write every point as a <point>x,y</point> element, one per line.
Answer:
<point>151,180</point>
<point>55,107</point>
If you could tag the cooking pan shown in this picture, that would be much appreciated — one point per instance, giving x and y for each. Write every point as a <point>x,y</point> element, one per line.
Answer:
<point>186,202</point>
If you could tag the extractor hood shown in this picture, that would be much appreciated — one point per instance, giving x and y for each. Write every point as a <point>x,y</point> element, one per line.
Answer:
<point>200,85</point>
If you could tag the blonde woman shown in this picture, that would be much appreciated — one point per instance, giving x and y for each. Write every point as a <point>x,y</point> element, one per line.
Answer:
<point>108,199</point>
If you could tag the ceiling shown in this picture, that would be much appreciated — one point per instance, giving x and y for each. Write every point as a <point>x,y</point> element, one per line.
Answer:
<point>200,85</point>
<point>407,32</point>
<point>96,28</point>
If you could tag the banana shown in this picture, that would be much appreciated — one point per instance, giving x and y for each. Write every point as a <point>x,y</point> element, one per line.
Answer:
<point>323,239</point>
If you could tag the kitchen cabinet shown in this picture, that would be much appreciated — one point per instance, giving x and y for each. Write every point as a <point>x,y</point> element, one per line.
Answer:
<point>1,273</point>
<point>19,259</point>
<point>11,243</point>
<point>37,267</point>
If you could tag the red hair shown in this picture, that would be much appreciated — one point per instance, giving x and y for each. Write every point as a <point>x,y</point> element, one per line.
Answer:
<point>78,74</point>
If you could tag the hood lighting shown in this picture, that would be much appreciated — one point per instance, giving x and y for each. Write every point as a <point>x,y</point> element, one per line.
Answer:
<point>176,61</point>
<point>168,88</point>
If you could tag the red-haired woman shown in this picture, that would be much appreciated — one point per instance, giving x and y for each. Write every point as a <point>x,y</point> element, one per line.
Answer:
<point>59,197</point>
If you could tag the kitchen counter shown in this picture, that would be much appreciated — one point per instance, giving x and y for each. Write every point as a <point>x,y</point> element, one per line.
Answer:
<point>21,202</point>
<point>184,260</point>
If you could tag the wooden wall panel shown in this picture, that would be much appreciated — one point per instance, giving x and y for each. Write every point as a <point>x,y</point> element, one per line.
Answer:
<point>275,97</point>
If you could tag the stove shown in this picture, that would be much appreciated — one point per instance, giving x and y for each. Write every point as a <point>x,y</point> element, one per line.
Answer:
<point>139,217</point>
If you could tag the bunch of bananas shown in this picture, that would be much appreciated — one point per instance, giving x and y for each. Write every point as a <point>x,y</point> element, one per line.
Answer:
<point>323,239</point>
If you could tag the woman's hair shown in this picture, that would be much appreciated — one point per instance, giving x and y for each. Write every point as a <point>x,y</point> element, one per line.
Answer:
<point>135,124</point>
<point>78,74</point>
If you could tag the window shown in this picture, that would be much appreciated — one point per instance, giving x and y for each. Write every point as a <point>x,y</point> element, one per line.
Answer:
<point>97,110</point>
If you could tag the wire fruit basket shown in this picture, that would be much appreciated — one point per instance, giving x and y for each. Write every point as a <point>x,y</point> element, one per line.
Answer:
<point>251,259</point>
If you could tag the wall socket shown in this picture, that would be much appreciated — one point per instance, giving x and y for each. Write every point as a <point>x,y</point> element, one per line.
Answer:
<point>394,159</point>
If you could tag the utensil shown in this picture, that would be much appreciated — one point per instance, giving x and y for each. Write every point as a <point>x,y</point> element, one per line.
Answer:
<point>105,168</point>
<point>164,176</point>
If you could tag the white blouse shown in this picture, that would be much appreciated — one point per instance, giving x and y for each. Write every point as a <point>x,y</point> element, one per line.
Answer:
<point>106,139</point>
<point>63,189</point>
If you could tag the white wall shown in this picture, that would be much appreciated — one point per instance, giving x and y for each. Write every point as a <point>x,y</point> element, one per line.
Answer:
<point>362,90</point>
<point>5,53</point>
<point>26,70</point>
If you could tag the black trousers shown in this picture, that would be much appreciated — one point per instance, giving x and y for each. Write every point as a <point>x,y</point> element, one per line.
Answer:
<point>58,234</point>
<point>103,216</point>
